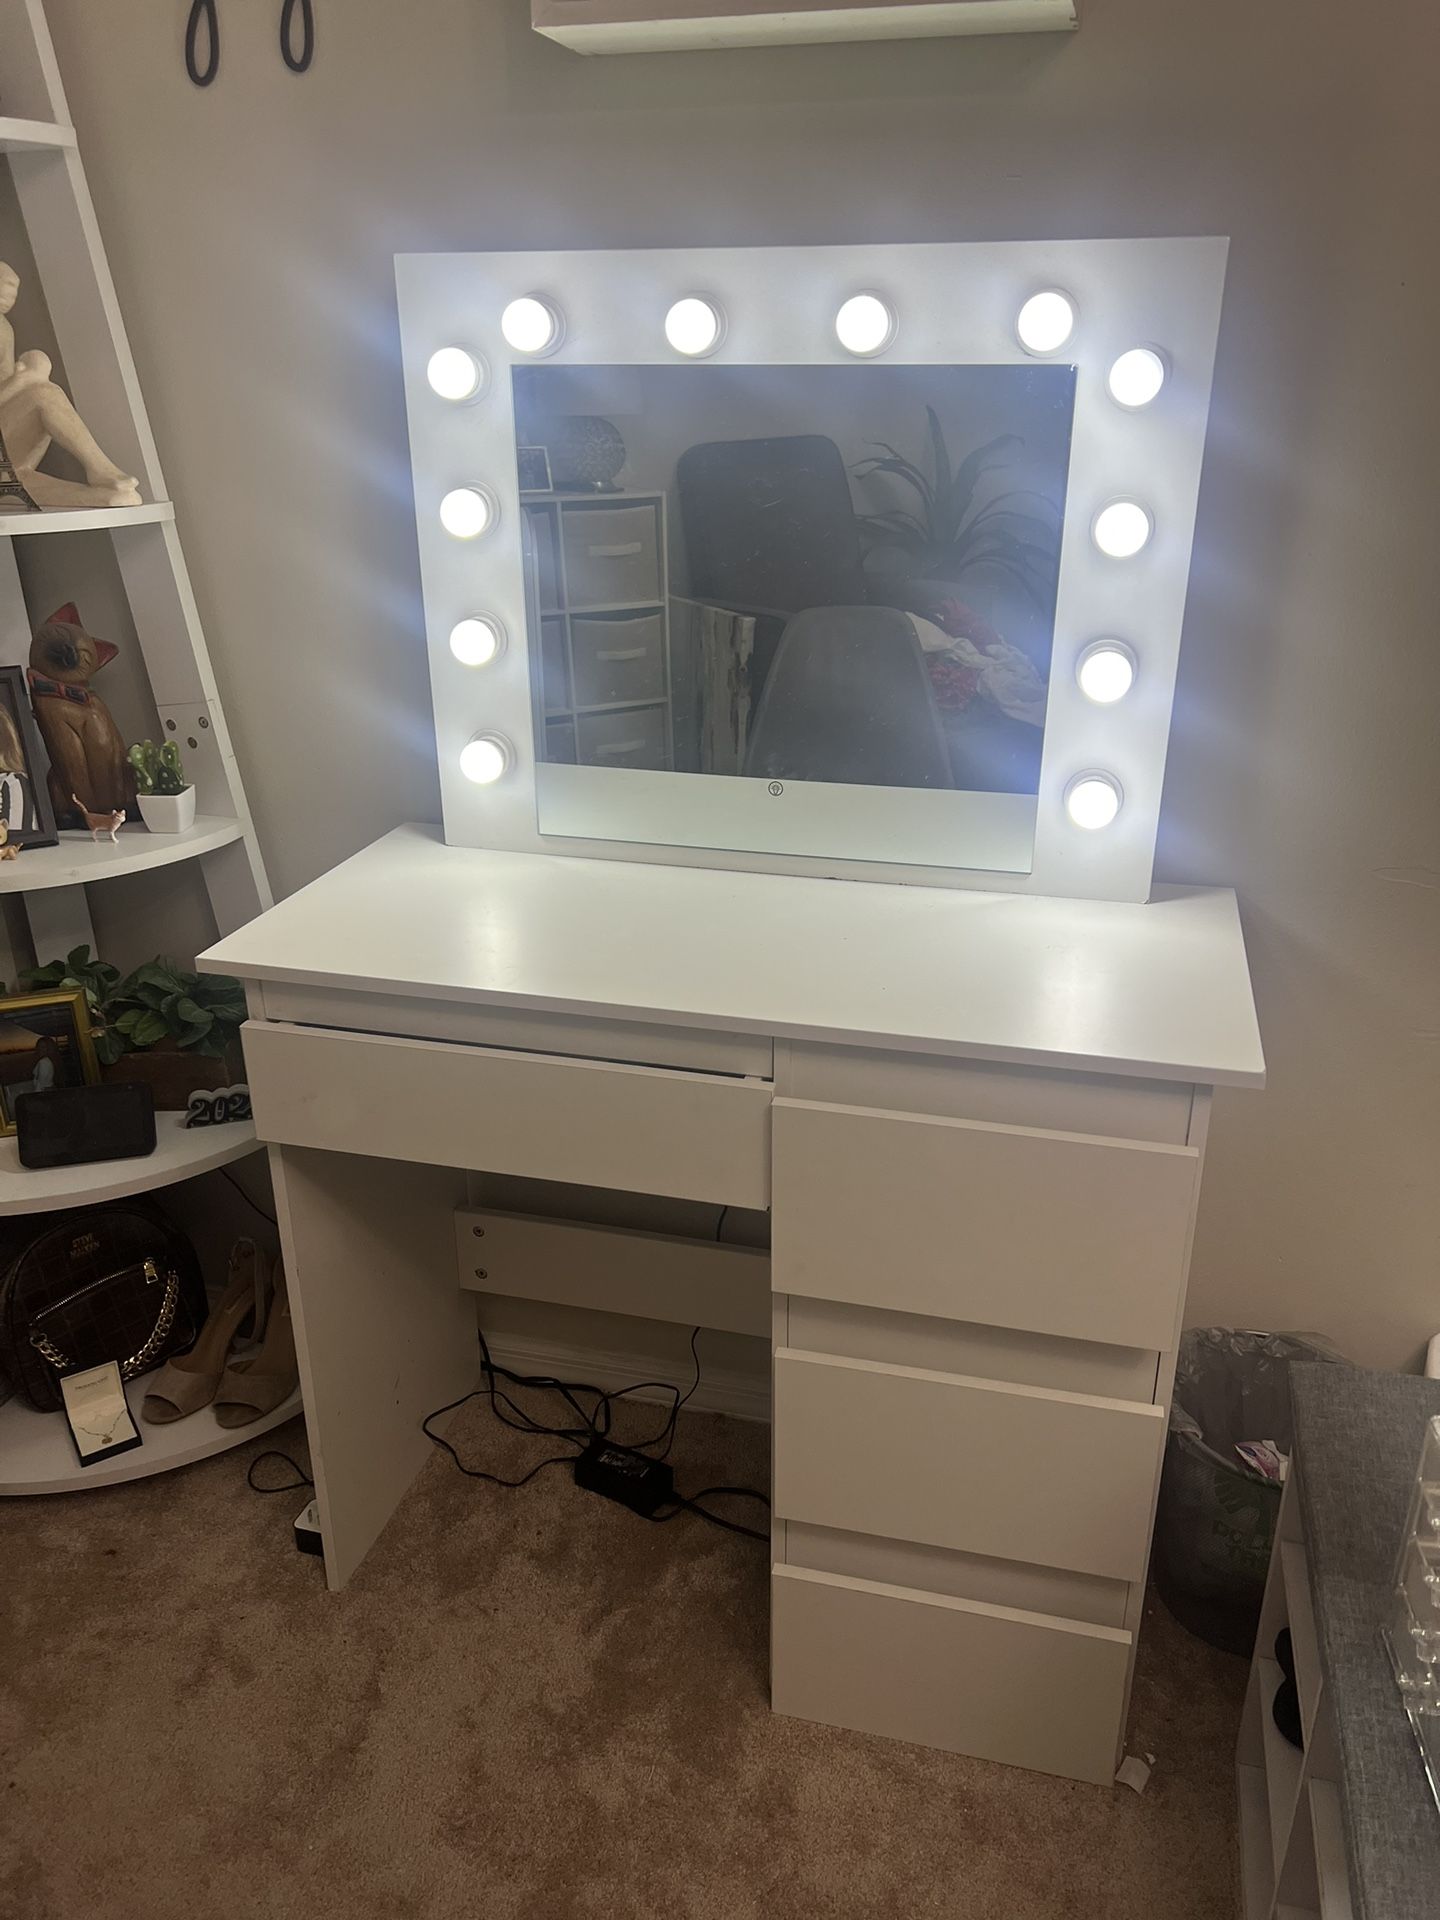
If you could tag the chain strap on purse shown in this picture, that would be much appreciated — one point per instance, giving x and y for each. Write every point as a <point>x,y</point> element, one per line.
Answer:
<point>144,1354</point>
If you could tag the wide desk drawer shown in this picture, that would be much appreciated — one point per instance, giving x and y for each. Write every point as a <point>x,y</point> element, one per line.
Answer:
<point>1017,1473</point>
<point>692,1136</point>
<point>1057,1233</point>
<point>1026,1689</point>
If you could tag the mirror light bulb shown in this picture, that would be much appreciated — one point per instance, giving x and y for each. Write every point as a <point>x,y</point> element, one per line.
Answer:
<point>865,324</point>
<point>694,326</point>
<point>1092,800</point>
<point>531,325</point>
<point>477,641</point>
<point>1046,321</point>
<point>455,374</point>
<point>1106,671</point>
<point>1122,529</point>
<point>1136,377</point>
<point>485,758</point>
<point>467,512</point>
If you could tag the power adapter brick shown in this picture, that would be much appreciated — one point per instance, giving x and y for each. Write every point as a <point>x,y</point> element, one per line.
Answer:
<point>633,1479</point>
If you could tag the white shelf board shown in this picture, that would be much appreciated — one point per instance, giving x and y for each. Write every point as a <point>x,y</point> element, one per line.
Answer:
<point>1257,1871</point>
<point>1303,1638</point>
<point>1331,1870</point>
<point>1282,1764</point>
<point>33,136</point>
<point>81,520</point>
<point>78,859</point>
<point>37,1456</point>
<point>179,1155</point>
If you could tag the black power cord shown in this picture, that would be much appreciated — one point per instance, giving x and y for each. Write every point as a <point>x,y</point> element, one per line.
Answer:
<point>302,1479</point>
<point>590,1426</point>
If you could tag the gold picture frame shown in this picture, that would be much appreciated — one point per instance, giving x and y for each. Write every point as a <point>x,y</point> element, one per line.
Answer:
<point>60,1039</point>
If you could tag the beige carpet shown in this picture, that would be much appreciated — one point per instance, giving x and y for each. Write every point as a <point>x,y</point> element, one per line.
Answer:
<point>527,1706</point>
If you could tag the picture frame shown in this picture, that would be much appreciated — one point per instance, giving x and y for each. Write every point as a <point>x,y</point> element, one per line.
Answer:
<point>25,804</point>
<point>46,1041</point>
<point>534,469</point>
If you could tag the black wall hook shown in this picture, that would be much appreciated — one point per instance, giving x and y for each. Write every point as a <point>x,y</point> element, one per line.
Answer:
<point>202,13</point>
<point>297,63</point>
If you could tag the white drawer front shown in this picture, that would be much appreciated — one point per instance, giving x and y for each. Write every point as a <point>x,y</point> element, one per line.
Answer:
<point>612,556</point>
<point>633,737</point>
<point>642,1129</point>
<point>1055,1233</point>
<point>1026,1689</point>
<point>1019,1473</point>
<point>618,656</point>
<point>521,1030</point>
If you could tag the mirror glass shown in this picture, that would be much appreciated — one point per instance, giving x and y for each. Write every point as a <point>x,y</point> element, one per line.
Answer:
<point>801,609</point>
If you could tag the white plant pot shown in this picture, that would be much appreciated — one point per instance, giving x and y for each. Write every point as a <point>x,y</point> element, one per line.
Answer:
<point>168,812</point>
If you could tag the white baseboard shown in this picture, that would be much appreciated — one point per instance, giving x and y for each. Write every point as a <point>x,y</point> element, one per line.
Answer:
<point>721,1390</point>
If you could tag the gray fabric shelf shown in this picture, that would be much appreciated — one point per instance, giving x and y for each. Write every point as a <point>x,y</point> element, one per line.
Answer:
<point>1357,1439</point>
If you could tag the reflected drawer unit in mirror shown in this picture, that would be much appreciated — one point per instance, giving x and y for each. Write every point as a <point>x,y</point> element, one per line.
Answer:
<point>597,587</point>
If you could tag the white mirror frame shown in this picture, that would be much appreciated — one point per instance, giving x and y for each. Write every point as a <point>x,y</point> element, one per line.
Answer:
<point>954,305</point>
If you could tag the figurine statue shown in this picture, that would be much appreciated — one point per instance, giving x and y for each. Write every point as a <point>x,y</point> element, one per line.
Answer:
<point>88,771</point>
<point>99,823</point>
<point>34,413</point>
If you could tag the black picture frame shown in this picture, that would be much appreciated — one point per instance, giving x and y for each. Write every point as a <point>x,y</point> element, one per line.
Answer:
<point>534,465</point>
<point>25,804</point>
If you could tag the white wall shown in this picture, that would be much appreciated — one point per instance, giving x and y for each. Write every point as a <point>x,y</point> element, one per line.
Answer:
<point>251,229</point>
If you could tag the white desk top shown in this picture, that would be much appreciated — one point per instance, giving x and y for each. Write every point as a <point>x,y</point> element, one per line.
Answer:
<point>1160,991</point>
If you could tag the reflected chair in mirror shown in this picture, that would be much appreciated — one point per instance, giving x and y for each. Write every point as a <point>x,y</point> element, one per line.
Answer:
<point>771,530</point>
<point>848,698</point>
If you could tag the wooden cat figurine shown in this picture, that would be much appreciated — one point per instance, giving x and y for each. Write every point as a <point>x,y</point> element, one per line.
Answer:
<point>88,771</point>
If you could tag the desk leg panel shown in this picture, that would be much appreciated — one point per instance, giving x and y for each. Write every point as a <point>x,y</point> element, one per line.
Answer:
<point>383,1333</point>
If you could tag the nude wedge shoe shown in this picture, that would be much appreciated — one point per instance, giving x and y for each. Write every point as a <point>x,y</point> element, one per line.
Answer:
<point>265,1380</point>
<point>190,1382</point>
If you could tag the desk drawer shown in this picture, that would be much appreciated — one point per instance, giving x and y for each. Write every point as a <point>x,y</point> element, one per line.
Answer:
<point>1018,1473</point>
<point>1026,1689</point>
<point>692,1136</point>
<point>1057,1233</point>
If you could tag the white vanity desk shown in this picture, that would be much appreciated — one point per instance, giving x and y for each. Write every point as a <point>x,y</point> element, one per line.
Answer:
<point>978,1121</point>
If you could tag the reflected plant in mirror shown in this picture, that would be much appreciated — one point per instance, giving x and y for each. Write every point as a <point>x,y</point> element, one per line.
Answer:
<point>836,575</point>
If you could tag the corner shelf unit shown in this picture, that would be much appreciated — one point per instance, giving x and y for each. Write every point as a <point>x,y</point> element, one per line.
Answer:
<point>78,861</point>
<point>36,1455</point>
<point>180,1154</point>
<point>1292,1845</point>
<point>40,148</point>
<point>599,580</point>
<point>17,526</point>
<point>33,136</point>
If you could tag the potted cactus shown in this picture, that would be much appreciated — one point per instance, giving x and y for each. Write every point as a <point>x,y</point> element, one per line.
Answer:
<point>167,800</point>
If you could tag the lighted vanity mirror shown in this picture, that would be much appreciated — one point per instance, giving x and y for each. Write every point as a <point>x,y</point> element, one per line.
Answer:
<point>800,609</point>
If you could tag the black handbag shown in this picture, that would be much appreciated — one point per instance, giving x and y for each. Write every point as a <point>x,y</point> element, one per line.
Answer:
<point>102,1283</point>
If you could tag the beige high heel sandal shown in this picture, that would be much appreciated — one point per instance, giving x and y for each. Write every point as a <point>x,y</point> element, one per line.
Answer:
<point>265,1380</point>
<point>186,1384</point>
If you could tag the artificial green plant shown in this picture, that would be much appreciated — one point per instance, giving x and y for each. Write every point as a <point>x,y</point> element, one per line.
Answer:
<point>157,769</point>
<point>159,1002</point>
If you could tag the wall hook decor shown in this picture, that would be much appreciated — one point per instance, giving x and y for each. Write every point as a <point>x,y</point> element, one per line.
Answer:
<point>202,15</point>
<point>297,62</point>
<point>204,21</point>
